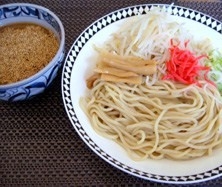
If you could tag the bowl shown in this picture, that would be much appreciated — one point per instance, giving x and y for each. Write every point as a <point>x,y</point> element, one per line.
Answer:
<point>38,82</point>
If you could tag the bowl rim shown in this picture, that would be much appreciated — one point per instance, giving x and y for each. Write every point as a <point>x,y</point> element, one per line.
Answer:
<point>54,59</point>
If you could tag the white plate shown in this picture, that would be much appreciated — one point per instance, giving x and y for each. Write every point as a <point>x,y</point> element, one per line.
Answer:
<point>78,66</point>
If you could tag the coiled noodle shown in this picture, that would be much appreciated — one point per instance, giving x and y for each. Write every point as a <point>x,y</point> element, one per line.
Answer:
<point>165,120</point>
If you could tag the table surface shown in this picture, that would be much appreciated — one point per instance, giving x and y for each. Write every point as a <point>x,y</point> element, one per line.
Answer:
<point>38,144</point>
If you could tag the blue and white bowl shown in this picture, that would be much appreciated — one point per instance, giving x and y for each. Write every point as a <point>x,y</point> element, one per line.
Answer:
<point>36,84</point>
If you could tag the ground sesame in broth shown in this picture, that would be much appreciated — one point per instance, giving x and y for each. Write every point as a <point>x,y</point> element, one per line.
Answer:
<point>25,49</point>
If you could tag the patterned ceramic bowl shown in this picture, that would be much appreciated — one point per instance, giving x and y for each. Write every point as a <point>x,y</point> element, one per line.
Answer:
<point>37,83</point>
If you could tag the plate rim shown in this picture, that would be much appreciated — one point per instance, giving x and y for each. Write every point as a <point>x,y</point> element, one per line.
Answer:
<point>70,111</point>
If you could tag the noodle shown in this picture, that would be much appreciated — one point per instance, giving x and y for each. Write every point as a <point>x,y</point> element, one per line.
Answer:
<point>165,120</point>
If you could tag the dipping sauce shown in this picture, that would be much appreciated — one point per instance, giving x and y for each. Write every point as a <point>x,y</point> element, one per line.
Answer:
<point>25,49</point>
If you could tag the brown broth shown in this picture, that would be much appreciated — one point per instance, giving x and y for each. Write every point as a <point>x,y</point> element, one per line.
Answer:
<point>25,49</point>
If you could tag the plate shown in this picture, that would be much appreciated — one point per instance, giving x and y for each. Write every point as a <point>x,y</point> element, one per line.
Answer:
<point>78,66</point>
